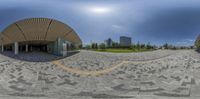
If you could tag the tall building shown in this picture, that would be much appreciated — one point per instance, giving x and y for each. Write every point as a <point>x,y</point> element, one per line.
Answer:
<point>109,42</point>
<point>125,41</point>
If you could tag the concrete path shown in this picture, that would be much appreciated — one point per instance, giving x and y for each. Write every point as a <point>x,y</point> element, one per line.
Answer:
<point>103,71</point>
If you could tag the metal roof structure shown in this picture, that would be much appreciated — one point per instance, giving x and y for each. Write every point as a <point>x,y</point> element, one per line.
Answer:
<point>38,29</point>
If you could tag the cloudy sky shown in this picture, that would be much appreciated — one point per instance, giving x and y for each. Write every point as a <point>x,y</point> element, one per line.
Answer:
<point>156,21</point>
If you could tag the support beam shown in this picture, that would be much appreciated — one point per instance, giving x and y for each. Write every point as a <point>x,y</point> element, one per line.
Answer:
<point>26,47</point>
<point>16,48</point>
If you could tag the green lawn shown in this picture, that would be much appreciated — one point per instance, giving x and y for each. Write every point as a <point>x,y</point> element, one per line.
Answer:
<point>122,50</point>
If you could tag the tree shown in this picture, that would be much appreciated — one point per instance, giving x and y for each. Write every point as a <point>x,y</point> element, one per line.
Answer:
<point>133,46</point>
<point>142,46</point>
<point>166,46</point>
<point>80,46</point>
<point>149,46</point>
<point>115,45</point>
<point>102,46</point>
<point>155,47</point>
<point>94,46</point>
<point>72,46</point>
<point>191,47</point>
<point>174,48</point>
<point>138,45</point>
<point>87,47</point>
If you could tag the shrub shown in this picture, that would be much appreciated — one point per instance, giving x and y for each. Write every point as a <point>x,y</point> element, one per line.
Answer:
<point>102,46</point>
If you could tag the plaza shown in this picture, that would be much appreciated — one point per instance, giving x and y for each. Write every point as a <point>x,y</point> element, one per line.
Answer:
<point>160,74</point>
<point>99,49</point>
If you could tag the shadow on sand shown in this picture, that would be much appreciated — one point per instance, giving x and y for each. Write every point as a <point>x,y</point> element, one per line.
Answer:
<point>36,56</point>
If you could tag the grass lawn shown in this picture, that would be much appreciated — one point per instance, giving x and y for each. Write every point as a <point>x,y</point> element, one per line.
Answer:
<point>122,50</point>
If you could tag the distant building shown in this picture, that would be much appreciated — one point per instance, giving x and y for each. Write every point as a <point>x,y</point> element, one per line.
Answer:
<point>125,41</point>
<point>109,42</point>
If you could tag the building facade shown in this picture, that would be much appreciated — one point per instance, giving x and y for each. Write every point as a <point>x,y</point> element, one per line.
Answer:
<point>109,42</point>
<point>125,41</point>
<point>39,34</point>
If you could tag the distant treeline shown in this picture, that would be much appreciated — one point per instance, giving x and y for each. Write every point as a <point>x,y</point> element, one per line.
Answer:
<point>138,46</point>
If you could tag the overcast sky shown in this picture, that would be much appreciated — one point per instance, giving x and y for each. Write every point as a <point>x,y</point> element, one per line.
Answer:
<point>156,21</point>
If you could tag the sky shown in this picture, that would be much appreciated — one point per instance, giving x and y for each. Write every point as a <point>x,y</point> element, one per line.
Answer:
<point>156,21</point>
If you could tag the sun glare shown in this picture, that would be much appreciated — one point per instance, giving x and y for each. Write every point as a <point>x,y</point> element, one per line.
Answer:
<point>100,10</point>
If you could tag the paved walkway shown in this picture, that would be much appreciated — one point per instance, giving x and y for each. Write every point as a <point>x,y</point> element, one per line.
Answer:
<point>149,75</point>
<point>35,56</point>
<point>92,73</point>
<point>103,71</point>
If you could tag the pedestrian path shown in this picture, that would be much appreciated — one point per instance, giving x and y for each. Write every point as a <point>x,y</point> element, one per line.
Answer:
<point>103,71</point>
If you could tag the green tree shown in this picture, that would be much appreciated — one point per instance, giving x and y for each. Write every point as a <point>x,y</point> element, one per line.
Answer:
<point>80,46</point>
<point>133,46</point>
<point>94,46</point>
<point>138,45</point>
<point>115,45</point>
<point>149,46</point>
<point>142,46</point>
<point>72,46</point>
<point>102,46</point>
<point>87,47</point>
<point>166,46</point>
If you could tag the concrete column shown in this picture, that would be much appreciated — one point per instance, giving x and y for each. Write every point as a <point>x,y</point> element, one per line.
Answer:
<point>60,51</point>
<point>16,48</point>
<point>26,47</point>
<point>2,48</point>
<point>64,49</point>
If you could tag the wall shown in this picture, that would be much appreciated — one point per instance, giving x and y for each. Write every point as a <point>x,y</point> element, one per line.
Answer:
<point>56,47</point>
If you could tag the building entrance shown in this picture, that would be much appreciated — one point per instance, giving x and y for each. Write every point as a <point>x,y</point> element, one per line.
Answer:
<point>40,48</point>
<point>33,47</point>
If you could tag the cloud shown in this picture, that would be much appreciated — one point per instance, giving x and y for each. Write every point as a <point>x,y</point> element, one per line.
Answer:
<point>186,42</point>
<point>154,21</point>
<point>177,23</point>
<point>117,27</point>
<point>120,30</point>
<point>189,40</point>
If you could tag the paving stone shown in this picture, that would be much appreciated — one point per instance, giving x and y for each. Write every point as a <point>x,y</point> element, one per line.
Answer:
<point>161,73</point>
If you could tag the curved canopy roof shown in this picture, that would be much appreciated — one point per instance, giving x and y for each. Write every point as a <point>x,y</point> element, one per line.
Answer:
<point>38,29</point>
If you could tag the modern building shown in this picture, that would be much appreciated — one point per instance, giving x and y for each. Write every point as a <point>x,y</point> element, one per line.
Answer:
<point>125,41</point>
<point>109,42</point>
<point>39,34</point>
